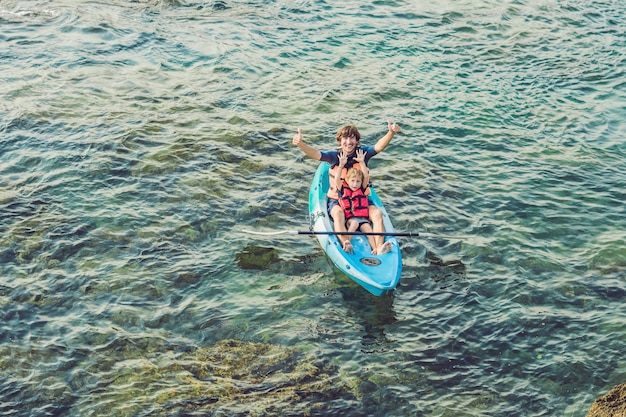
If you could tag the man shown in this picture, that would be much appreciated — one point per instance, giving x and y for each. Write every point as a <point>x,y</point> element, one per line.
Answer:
<point>349,140</point>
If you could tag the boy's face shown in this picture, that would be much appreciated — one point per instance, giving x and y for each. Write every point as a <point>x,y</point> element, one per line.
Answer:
<point>354,183</point>
<point>348,144</point>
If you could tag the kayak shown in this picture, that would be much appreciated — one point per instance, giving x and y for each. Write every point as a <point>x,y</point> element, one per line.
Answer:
<point>378,274</point>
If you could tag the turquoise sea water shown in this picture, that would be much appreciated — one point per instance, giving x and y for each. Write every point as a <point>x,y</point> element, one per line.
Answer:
<point>138,138</point>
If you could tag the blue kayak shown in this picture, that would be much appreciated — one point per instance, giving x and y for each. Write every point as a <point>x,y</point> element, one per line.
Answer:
<point>378,274</point>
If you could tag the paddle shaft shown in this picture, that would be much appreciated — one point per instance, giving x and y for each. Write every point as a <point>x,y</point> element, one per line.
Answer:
<point>313,232</point>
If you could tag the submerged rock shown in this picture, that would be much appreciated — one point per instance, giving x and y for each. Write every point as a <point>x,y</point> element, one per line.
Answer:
<point>257,257</point>
<point>125,375</point>
<point>229,377</point>
<point>612,404</point>
<point>233,377</point>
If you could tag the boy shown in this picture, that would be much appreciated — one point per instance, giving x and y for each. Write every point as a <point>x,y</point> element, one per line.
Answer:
<point>351,193</point>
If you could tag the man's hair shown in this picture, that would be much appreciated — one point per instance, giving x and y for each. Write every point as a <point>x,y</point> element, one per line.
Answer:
<point>348,131</point>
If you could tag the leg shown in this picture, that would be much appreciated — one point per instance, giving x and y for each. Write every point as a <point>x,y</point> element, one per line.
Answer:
<point>366,228</point>
<point>340,226</point>
<point>376,216</point>
<point>353,225</point>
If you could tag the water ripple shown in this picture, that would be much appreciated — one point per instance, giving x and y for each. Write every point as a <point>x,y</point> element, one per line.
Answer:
<point>137,140</point>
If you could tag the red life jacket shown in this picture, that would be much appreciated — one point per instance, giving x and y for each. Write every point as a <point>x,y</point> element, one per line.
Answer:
<point>354,203</point>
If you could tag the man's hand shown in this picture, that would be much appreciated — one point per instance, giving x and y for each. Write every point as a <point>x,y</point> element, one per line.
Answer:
<point>297,139</point>
<point>393,127</point>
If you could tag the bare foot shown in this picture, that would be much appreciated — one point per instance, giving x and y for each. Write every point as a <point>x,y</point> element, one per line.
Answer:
<point>383,249</point>
<point>347,246</point>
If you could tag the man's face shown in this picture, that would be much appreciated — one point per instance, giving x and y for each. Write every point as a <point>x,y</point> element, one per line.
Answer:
<point>348,144</point>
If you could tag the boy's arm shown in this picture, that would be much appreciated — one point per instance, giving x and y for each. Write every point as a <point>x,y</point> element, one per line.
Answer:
<point>366,175</point>
<point>310,151</point>
<point>343,160</point>
<point>337,178</point>
<point>360,158</point>
<point>384,141</point>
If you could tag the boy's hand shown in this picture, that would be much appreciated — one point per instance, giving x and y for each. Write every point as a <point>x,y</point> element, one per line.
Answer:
<point>343,158</point>
<point>360,156</point>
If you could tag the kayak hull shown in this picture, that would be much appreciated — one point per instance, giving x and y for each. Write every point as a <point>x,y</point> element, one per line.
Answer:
<point>378,274</point>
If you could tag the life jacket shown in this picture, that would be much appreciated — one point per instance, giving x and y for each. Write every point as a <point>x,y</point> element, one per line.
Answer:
<point>354,203</point>
<point>332,191</point>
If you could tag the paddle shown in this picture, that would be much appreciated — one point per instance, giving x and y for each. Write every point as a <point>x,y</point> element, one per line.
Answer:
<point>312,232</point>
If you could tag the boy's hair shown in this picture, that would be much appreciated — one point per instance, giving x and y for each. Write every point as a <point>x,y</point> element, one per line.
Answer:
<point>348,131</point>
<point>355,172</point>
